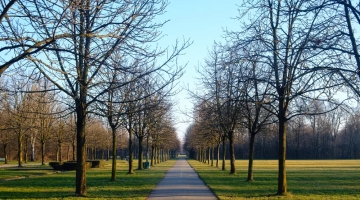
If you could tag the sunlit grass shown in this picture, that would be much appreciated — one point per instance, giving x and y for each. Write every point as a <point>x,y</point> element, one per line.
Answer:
<point>62,185</point>
<point>307,179</point>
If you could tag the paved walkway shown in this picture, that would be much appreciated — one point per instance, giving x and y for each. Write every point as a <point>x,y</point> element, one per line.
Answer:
<point>181,182</point>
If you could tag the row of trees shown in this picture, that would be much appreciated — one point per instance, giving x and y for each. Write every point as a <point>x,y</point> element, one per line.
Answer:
<point>35,123</point>
<point>288,58</point>
<point>315,137</point>
<point>99,55</point>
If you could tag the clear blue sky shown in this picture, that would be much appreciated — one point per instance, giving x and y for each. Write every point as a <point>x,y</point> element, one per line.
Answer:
<point>201,21</point>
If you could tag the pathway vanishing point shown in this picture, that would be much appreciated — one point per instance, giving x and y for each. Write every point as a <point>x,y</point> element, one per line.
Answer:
<point>181,182</point>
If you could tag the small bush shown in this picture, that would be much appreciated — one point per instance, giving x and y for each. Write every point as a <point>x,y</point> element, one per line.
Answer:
<point>71,165</point>
<point>56,165</point>
<point>67,166</point>
<point>97,163</point>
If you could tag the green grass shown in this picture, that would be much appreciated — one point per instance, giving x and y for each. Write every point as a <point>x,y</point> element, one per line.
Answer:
<point>62,185</point>
<point>307,179</point>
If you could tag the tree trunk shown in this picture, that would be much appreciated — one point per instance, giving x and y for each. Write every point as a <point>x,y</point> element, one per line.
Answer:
<point>197,155</point>
<point>224,154</point>
<point>140,153</point>
<point>80,149</point>
<point>68,153</point>
<point>159,155</point>
<point>162,154</point>
<point>5,154</point>
<point>147,148</point>
<point>152,155</point>
<point>200,155</point>
<point>57,154</point>
<point>251,157</point>
<point>20,155</point>
<point>107,153</point>
<point>212,155</point>
<point>131,169</point>
<point>26,149</point>
<point>113,165</point>
<point>232,152</point>
<point>218,155</point>
<point>203,151</point>
<point>74,151</point>
<point>32,140</point>
<point>93,153</point>
<point>42,152</point>
<point>282,184</point>
<point>60,151</point>
<point>209,155</point>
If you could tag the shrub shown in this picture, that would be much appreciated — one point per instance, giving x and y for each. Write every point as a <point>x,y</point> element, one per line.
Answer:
<point>56,165</point>
<point>67,166</point>
<point>97,163</point>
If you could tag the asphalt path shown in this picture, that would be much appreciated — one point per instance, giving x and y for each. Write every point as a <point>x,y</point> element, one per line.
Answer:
<point>183,183</point>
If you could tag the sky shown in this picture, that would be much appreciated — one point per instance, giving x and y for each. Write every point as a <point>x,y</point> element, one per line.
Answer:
<point>203,23</point>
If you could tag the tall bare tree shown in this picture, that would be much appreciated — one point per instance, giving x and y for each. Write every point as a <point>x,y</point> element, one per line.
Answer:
<point>219,77</point>
<point>88,33</point>
<point>288,34</point>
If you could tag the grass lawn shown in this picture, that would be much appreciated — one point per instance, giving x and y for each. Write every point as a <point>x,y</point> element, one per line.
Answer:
<point>307,179</point>
<point>39,184</point>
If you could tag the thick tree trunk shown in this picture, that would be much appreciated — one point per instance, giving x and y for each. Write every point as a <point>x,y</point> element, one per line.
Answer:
<point>232,152</point>
<point>113,165</point>
<point>80,149</point>
<point>224,154</point>
<point>251,157</point>
<point>140,153</point>
<point>282,184</point>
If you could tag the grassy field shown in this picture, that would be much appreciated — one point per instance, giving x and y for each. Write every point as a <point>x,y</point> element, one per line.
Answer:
<point>307,179</point>
<point>40,184</point>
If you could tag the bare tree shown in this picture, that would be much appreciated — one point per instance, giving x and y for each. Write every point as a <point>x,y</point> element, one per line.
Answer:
<point>219,77</point>
<point>44,115</point>
<point>287,32</point>
<point>18,108</point>
<point>88,33</point>
<point>6,133</point>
